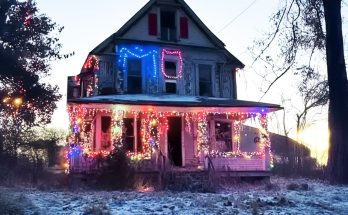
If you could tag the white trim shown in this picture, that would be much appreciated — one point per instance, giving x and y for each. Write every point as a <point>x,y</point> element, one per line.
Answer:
<point>182,142</point>
<point>135,128</point>
<point>173,59</point>
<point>98,132</point>
<point>195,139</point>
<point>154,108</point>
<point>212,133</point>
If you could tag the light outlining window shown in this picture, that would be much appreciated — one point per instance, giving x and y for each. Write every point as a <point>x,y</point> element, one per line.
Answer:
<point>177,53</point>
<point>148,53</point>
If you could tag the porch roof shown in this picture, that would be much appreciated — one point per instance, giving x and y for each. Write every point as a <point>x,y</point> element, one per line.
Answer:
<point>168,100</point>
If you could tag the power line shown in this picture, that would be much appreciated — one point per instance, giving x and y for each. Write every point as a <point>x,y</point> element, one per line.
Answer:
<point>234,19</point>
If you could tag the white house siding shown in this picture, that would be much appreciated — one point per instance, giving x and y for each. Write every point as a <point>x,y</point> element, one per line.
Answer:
<point>107,72</point>
<point>227,81</point>
<point>189,146</point>
<point>223,80</point>
<point>163,142</point>
<point>247,136</point>
<point>139,31</point>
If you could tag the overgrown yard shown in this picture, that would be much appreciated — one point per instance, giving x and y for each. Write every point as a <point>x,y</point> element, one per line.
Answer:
<point>282,196</point>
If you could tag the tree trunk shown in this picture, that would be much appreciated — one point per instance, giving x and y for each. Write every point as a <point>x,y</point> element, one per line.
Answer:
<point>338,95</point>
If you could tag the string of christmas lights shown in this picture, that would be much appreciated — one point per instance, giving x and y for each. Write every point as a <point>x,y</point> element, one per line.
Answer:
<point>176,53</point>
<point>148,54</point>
<point>153,125</point>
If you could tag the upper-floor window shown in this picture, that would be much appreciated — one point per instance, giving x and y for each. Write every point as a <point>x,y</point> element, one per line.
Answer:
<point>205,80</point>
<point>134,79</point>
<point>168,25</point>
<point>170,83</point>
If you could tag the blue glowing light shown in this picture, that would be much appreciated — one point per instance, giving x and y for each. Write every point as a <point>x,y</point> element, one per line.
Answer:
<point>76,128</point>
<point>148,55</point>
<point>74,151</point>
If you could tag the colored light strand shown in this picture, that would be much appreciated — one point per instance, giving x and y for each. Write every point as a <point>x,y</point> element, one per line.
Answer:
<point>92,63</point>
<point>117,129</point>
<point>149,53</point>
<point>153,125</point>
<point>236,134</point>
<point>176,53</point>
<point>202,134</point>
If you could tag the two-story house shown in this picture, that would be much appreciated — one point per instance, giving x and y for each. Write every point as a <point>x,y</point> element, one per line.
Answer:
<point>164,84</point>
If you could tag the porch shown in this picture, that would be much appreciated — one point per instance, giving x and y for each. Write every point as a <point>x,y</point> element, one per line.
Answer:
<point>173,137</point>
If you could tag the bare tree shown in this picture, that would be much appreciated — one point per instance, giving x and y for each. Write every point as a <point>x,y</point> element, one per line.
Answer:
<point>299,32</point>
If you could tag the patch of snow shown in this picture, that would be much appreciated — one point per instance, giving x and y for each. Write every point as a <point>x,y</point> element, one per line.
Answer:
<point>320,198</point>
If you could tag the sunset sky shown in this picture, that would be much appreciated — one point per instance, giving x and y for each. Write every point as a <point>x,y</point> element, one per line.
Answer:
<point>87,23</point>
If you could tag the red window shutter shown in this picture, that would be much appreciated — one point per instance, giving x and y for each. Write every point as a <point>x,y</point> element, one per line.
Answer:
<point>153,24</point>
<point>184,27</point>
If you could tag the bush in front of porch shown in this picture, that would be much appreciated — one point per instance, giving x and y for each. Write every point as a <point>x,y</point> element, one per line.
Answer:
<point>117,172</point>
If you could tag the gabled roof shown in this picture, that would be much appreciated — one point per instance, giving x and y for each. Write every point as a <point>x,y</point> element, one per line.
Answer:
<point>107,44</point>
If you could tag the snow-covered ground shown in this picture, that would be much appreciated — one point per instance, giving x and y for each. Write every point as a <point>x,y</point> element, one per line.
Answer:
<point>320,198</point>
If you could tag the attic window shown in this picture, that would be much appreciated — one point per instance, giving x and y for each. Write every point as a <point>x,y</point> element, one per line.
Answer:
<point>168,26</point>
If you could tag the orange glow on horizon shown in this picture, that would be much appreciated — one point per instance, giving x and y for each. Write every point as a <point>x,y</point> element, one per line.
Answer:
<point>316,138</point>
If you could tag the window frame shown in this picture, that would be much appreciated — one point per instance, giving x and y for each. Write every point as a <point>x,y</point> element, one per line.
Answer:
<point>137,142</point>
<point>140,76</point>
<point>212,76</point>
<point>216,140</point>
<point>171,80</point>
<point>176,35</point>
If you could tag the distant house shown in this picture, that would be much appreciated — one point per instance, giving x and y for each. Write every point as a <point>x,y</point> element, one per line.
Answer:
<point>164,86</point>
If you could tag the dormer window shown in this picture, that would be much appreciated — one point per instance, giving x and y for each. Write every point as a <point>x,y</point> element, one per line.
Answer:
<point>168,26</point>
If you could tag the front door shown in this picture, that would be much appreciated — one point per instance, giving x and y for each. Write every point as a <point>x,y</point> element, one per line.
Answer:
<point>174,141</point>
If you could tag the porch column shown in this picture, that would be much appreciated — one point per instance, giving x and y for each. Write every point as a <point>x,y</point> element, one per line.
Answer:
<point>202,136</point>
<point>265,142</point>
<point>236,135</point>
<point>98,132</point>
<point>135,133</point>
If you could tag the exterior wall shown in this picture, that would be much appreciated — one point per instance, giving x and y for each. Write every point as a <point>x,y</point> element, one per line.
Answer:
<point>222,78</point>
<point>189,147</point>
<point>106,75</point>
<point>139,31</point>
